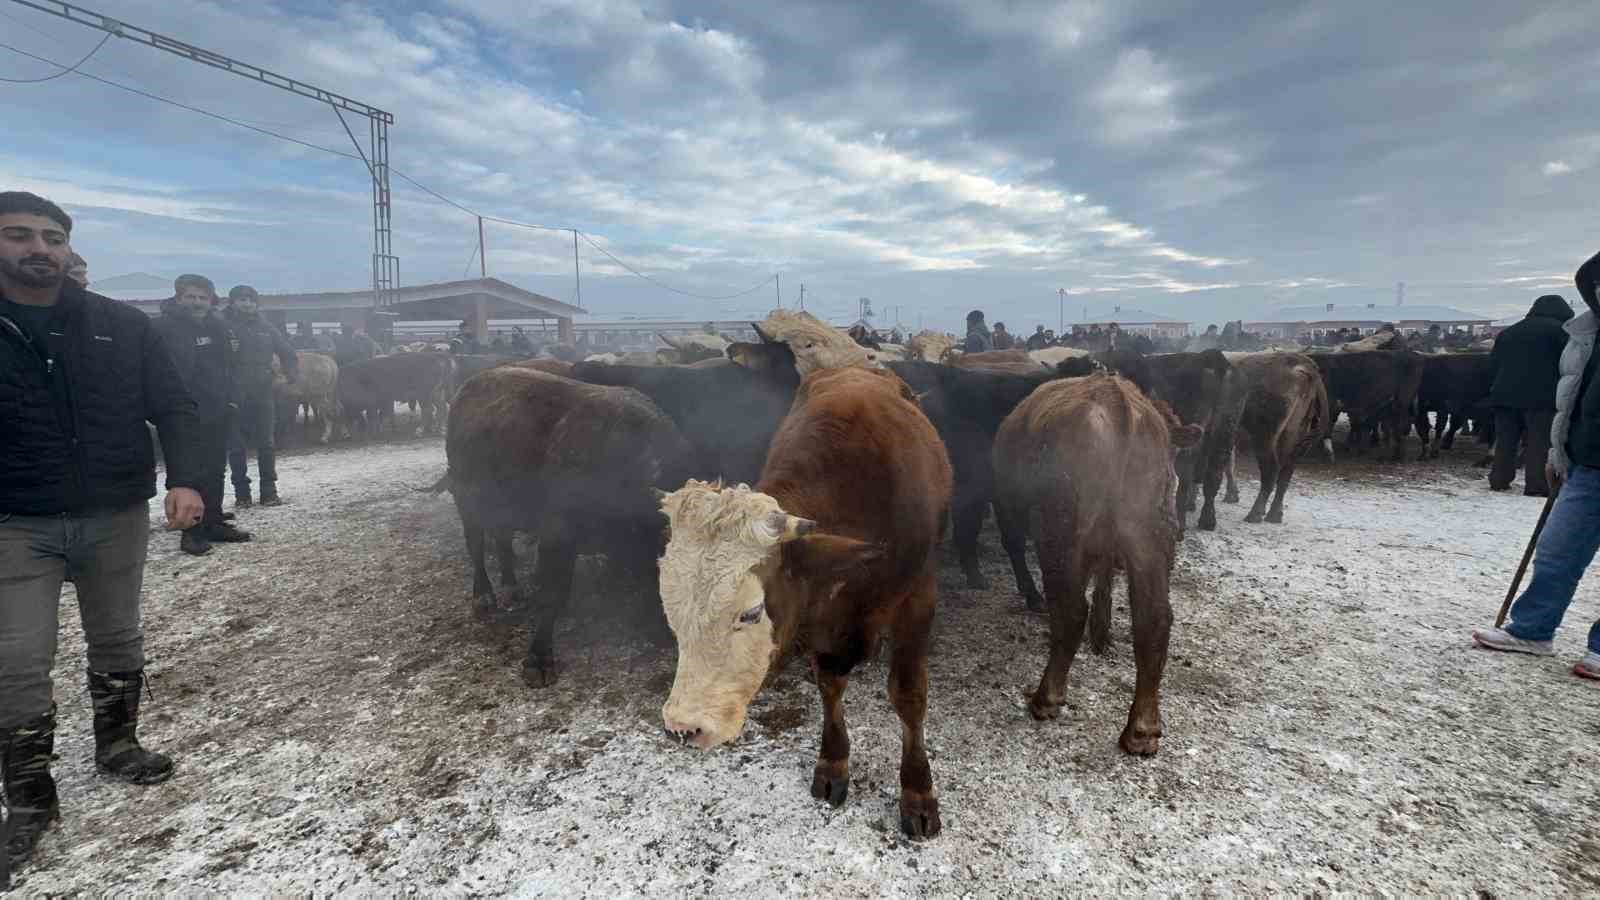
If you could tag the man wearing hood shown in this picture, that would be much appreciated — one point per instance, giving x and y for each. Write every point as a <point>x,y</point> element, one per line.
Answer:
<point>1525,360</point>
<point>978,337</point>
<point>259,341</point>
<point>1571,535</point>
<point>80,376</point>
<point>203,349</point>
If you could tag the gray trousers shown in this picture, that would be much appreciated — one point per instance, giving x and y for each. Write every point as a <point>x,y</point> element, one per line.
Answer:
<point>103,556</point>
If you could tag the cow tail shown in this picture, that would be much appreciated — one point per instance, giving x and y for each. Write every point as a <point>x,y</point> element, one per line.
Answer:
<point>1323,413</point>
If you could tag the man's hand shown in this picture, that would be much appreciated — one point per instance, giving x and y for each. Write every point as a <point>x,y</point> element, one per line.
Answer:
<point>184,508</point>
<point>1552,480</point>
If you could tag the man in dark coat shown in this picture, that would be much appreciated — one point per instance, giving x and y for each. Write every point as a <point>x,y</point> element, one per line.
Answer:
<point>1525,358</point>
<point>259,341</point>
<point>1037,340</point>
<point>978,338</point>
<point>202,349</point>
<point>1002,339</point>
<point>80,376</point>
<point>352,346</point>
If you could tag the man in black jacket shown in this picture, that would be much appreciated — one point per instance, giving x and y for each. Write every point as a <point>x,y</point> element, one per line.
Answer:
<point>202,349</point>
<point>259,341</point>
<point>80,375</point>
<point>1525,360</point>
<point>978,339</point>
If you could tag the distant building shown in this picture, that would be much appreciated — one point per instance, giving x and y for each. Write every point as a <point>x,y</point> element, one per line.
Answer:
<point>1134,321</point>
<point>1312,322</point>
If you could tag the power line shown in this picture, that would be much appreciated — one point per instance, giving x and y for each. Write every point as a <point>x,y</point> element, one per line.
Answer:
<point>340,153</point>
<point>64,71</point>
<point>674,290</point>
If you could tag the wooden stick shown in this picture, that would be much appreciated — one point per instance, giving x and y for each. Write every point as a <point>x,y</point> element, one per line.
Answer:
<point>1527,555</point>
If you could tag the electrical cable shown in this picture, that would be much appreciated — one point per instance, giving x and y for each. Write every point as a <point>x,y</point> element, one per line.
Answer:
<point>68,70</point>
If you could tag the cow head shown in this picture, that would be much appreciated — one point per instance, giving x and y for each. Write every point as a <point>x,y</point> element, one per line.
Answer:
<point>733,578</point>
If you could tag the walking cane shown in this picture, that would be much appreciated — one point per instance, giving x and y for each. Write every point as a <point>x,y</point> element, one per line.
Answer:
<point>1526,556</point>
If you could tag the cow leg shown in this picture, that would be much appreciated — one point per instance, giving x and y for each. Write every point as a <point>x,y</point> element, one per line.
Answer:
<point>1267,459</point>
<point>830,780</point>
<point>908,691</point>
<point>558,557</point>
<point>483,602</point>
<point>1448,441</point>
<point>1399,431</point>
<point>1187,464</point>
<point>1064,583</point>
<point>1013,524</point>
<point>1217,451</point>
<point>1288,458</point>
<point>967,521</point>
<point>1100,612</point>
<point>325,419</point>
<point>1232,495</point>
<point>1152,627</point>
<point>506,551</point>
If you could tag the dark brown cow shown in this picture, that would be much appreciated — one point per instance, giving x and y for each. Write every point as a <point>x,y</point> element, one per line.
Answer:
<point>1095,457</point>
<point>1454,388</point>
<point>573,465</point>
<point>832,552</point>
<point>548,366</point>
<point>1285,412</point>
<point>1200,389</point>
<point>375,385</point>
<point>1374,388</point>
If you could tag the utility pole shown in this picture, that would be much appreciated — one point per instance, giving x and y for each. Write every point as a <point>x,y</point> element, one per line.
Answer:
<point>577,280</point>
<point>777,288</point>
<point>483,262</point>
<point>385,265</point>
<point>1061,310</point>
<point>802,295</point>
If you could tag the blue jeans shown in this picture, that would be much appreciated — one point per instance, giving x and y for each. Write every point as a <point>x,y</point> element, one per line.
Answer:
<point>1566,547</point>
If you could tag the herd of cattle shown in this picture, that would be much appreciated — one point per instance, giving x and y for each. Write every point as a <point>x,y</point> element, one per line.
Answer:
<point>858,465</point>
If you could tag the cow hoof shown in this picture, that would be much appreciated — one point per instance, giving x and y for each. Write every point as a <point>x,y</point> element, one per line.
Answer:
<point>831,781</point>
<point>539,673</point>
<point>1230,497</point>
<point>1208,523</point>
<point>1035,603</point>
<point>1043,710</point>
<point>1275,517</point>
<point>483,607</point>
<point>1253,517</point>
<point>1140,745</point>
<point>976,581</point>
<point>919,814</point>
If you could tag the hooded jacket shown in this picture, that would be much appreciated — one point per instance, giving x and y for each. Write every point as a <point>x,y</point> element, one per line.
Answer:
<point>203,352</point>
<point>1526,355</point>
<point>1575,433</point>
<point>73,437</point>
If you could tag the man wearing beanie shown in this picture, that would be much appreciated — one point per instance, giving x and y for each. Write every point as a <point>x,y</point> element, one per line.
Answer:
<point>202,350</point>
<point>1525,360</point>
<point>80,375</point>
<point>259,340</point>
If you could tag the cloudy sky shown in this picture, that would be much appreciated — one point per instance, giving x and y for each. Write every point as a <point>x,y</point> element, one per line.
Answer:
<point>934,155</point>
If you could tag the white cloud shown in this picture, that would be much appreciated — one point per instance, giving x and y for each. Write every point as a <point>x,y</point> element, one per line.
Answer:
<point>1138,100</point>
<point>1557,167</point>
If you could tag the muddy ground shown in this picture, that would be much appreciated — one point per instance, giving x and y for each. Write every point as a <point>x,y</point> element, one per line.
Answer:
<point>342,723</point>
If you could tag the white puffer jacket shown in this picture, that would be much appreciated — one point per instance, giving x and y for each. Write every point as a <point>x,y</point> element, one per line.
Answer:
<point>1581,330</point>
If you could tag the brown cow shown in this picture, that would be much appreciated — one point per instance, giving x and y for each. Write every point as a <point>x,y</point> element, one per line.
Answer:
<point>317,388</point>
<point>832,552</point>
<point>548,366</point>
<point>1285,412</point>
<point>1009,362</point>
<point>1095,457</point>
<point>1374,388</point>
<point>571,464</point>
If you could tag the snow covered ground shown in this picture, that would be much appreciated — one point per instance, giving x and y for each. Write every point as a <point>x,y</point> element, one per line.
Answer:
<point>342,723</point>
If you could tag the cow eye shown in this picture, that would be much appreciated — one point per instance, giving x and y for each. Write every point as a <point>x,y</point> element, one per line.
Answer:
<point>752,615</point>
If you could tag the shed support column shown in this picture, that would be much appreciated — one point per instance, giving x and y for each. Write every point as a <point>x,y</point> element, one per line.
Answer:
<point>564,331</point>
<point>480,318</point>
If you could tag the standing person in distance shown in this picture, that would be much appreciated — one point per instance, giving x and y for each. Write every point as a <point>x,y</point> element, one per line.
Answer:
<point>1525,359</point>
<point>259,340</point>
<point>1571,535</point>
<point>978,337</point>
<point>201,347</point>
<point>80,375</point>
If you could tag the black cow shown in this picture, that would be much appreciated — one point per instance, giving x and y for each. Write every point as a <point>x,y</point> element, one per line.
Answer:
<point>1454,388</point>
<point>728,413</point>
<point>1373,388</point>
<point>966,407</point>
<point>1201,390</point>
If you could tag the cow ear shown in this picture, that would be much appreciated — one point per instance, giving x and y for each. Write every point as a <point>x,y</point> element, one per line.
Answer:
<point>782,527</point>
<point>829,558</point>
<point>1186,436</point>
<point>765,339</point>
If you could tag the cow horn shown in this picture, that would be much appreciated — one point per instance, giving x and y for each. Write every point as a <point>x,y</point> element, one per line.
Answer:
<point>668,341</point>
<point>765,338</point>
<point>782,527</point>
<point>661,496</point>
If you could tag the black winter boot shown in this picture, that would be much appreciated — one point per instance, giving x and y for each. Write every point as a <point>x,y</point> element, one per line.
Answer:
<point>30,791</point>
<point>116,720</point>
<point>228,534</point>
<point>194,541</point>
